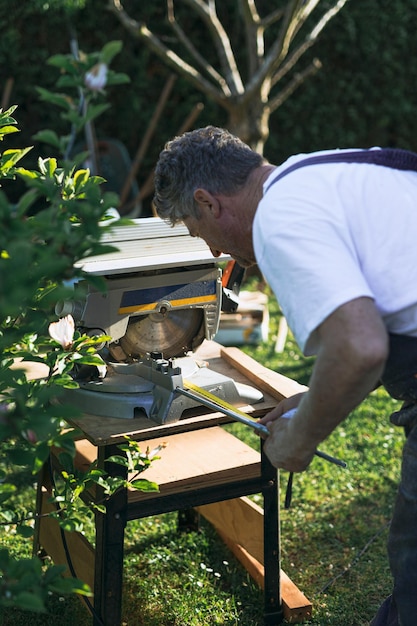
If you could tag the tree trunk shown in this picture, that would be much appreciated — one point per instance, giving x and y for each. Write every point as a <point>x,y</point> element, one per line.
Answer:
<point>250,122</point>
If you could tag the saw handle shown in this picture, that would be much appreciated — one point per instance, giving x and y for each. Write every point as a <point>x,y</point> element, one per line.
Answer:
<point>232,277</point>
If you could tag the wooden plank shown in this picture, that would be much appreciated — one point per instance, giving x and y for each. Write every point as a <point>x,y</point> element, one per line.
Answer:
<point>266,380</point>
<point>296,607</point>
<point>239,522</point>
<point>191,460</point>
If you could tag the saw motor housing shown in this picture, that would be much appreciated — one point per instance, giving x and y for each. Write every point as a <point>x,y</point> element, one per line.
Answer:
<point>168,311</point>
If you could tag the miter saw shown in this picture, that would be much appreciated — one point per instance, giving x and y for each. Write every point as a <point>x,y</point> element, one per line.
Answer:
<point>163,296</point>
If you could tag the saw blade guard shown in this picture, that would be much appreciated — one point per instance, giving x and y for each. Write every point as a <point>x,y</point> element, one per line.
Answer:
<point>158,311</point>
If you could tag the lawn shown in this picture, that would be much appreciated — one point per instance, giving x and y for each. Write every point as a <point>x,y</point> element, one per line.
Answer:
<point>332,538</point>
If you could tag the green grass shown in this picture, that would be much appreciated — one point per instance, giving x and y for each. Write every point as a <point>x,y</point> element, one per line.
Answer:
<point>333,536</point>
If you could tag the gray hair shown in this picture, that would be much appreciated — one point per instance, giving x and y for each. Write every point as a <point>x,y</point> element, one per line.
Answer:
<point>210,158</point>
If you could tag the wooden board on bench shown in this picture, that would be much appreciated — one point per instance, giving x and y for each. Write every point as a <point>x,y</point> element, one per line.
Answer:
<point>176,475</point>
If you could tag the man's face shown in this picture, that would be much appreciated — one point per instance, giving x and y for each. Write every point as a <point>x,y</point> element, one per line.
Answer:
<point>222,237</point>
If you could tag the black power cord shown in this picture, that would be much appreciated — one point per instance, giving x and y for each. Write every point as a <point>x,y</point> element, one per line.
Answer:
<point>70,563</point>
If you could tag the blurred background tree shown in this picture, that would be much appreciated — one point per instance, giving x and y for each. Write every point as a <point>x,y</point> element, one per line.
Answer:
<point>363,94</point>
<point>247,56</point>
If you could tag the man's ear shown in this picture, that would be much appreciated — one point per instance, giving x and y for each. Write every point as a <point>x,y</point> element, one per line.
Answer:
<point>207,201</point>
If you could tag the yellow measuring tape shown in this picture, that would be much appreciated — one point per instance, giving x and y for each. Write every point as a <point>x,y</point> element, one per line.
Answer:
<point>214,402</point>
<point>210,396</point>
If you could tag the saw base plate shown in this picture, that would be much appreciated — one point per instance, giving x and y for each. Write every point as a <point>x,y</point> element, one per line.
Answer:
<point>149,387</point>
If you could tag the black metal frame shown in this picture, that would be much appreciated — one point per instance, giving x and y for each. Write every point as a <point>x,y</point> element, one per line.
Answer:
<point>110,528</point>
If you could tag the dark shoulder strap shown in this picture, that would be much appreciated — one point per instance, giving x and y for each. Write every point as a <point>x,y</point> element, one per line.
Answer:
<point>388,157</point>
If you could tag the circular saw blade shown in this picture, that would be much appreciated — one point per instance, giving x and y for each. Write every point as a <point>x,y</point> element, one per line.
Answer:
<point>173,333</point>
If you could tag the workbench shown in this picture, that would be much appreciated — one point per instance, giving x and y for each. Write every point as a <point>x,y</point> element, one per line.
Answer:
<point>202,467</point>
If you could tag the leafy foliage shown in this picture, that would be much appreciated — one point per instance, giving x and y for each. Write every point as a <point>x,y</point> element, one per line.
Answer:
<point>58,221</point>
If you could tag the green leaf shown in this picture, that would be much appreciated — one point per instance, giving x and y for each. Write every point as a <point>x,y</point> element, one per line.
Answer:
<point>70,585</point>
<point>66,81</point>
<point>9,158</point>
<point>27,174</point>
<point>95,474</point>
<point>118,78</point>
<point>144,485</point>
<point>119,460</point>
<point>6,116</point>
<point>66,460</point>
<point>25,202</point>
<point>53,572</point>
<point>25,531</point>
<point>6,491</point>
<point>66,381</point>
<point>48,136</point>
<point>100,508</point>
<point>30,602</point>
<point>71,525</point>
<point>6,130</point>
<point>91,359</point>
<point>64,62</point>
<point>61,100</point>
<point>80,179</point>
<point>110,50</point>
<point>95,111</point>
<point>47,166</point>
<point>42,453</point>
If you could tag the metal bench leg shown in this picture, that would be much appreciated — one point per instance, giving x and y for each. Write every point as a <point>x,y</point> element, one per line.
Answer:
<point>110,527</point>
<point>273,612</point>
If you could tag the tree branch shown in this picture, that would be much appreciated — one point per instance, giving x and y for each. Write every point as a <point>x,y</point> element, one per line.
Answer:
<point>221,82</point>
<point>208,14</point>
<point>140,31</point>
<point>327,17</point>
<point>309,41</point>
<point>254,35</point>
<point>270,69</point>
<point>272,17</point>
<point>275,55</point>
<point>293,20</point>
<point>202,62</point>
<point>296,81</point>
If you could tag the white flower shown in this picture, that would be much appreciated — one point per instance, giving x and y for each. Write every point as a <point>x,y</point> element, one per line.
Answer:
<point>63,331</point>
<point>30,436</point>
<point>102,370</point>
<point>96,78</point>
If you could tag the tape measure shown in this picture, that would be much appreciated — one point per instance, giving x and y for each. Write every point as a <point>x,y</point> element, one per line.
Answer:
<point>211,401</point>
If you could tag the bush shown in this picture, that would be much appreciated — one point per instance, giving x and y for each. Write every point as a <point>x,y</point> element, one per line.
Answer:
<point>58,221</point>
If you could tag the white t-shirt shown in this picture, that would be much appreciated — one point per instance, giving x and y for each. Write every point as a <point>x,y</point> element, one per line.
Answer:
<point>329,233</point>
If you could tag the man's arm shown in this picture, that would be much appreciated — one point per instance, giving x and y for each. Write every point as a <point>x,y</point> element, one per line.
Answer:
<point>353,348</point>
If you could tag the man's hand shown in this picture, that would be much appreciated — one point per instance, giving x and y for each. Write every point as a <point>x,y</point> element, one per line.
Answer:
<point>277,446</point>
<point>352,349</point>
<point>286,405</point>
<point>282,447</point>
